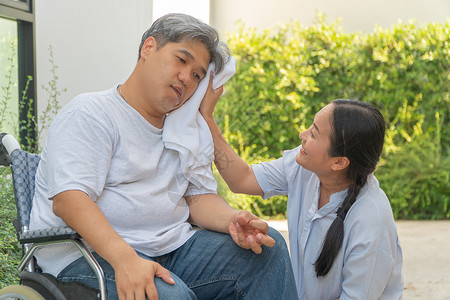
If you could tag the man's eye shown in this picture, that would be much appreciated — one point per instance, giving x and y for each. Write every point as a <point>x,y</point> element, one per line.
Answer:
<point>181,60</point>
<point>197,76</point>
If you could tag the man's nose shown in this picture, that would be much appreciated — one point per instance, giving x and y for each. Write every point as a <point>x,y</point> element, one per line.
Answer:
<point>184,77</point>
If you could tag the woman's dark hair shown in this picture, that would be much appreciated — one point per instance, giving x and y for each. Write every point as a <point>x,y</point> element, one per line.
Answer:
<point>358,134</point>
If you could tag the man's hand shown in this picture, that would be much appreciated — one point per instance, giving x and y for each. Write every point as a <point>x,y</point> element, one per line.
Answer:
<point>135,278</point>
<point>249,232</point>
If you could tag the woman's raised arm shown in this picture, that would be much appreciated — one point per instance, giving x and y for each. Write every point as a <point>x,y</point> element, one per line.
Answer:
<point>235,171</point>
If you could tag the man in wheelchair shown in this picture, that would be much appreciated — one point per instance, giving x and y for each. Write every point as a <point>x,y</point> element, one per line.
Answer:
<point>106,173</point>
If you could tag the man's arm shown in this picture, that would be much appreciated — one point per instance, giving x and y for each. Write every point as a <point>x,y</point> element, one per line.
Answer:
<point>134,275</point>
<point>212,212</point>
<point>235,171</point>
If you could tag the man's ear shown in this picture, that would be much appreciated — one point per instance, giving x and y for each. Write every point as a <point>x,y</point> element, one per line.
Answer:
<point>149,45</point>
<point>340,163</point>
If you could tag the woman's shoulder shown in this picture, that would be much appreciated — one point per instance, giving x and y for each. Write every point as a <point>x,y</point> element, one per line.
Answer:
<point>371,215</point>
<point>373,198</point>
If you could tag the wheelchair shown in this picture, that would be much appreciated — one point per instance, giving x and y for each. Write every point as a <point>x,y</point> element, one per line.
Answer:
<point>35,285</point>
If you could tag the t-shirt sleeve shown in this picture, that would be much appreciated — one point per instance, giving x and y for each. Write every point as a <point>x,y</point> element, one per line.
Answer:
<point>192,190</point>
<point>273,176</point>
<point>78,154</point>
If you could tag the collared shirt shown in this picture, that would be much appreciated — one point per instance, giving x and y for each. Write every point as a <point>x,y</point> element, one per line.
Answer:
<point>369,263</point>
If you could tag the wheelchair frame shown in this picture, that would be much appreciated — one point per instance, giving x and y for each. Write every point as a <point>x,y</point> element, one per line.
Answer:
<point>31,282</point>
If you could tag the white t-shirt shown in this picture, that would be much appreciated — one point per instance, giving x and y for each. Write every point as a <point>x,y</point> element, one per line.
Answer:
<point>100,145</point>
<point>369,263</point>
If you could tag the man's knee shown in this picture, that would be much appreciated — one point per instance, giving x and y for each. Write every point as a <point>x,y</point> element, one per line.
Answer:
<point>280,242</point>
<point>179,290</point>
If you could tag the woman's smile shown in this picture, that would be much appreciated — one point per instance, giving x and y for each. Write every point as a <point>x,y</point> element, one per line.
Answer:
<point>302,151</point>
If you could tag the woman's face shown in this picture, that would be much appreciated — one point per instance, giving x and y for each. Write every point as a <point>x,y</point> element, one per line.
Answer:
<point>314,153</point>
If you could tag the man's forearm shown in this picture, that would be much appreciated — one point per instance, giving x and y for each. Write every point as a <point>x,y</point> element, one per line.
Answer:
<point>211,211</point>
<point>133,274</point>
<point>82,214</point>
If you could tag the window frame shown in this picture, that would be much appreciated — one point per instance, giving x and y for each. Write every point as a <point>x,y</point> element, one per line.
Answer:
<point>24,5</point>
<point>22,12</point>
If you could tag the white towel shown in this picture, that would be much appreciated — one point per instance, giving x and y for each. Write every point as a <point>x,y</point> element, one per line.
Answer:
<point>187,132</point>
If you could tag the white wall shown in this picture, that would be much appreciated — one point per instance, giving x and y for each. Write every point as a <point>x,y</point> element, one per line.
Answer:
<point>195,8</point>
<point>95,43</point>
<point>357,15</point>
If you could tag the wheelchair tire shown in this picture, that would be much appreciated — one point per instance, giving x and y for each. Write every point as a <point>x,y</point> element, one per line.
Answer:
<point>19,292</point>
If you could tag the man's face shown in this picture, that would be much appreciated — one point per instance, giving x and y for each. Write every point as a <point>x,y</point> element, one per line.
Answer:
<point>172,73</point>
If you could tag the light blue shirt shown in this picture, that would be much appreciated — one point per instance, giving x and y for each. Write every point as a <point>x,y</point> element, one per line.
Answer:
<point>369,263</point>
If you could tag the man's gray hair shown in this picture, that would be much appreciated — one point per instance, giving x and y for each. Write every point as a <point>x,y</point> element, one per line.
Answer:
<point>177,27</point>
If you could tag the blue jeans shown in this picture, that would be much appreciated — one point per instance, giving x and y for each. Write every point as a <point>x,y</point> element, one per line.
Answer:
<point>209,266</point>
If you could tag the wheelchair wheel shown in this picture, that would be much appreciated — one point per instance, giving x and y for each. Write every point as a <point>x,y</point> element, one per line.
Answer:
<point>19,292</point>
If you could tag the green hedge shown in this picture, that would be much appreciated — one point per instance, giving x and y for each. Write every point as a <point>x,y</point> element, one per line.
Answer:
<point>286,74</point>
<point>10,252</point>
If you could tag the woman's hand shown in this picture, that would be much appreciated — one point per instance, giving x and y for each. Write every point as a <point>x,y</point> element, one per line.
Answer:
<point>210,99</point>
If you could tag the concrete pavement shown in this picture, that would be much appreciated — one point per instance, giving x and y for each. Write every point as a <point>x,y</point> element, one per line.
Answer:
<point>426,257</point>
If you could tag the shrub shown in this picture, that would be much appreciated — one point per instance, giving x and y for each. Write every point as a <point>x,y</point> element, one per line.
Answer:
<point>287,73</point>
<point>10,251</point>
<point>417,176</point>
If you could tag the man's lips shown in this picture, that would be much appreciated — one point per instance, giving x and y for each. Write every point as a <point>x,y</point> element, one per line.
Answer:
<point>178,91</point>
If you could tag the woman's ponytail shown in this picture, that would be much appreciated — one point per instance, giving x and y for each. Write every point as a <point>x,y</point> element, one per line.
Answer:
<point>335,234</point>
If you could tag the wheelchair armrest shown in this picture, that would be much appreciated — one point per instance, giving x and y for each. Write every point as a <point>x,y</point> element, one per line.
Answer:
<point>7,145</point>
<point>9,142</point>
<point>48,234</point>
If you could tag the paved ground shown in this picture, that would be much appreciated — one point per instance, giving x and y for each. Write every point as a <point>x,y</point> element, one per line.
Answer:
<point>426,257</point>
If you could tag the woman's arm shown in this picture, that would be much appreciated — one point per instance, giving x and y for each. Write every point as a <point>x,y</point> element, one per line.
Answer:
<point>235,171</point>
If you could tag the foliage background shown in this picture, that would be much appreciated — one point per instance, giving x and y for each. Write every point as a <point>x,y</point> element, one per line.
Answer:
<point>287,73</point>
